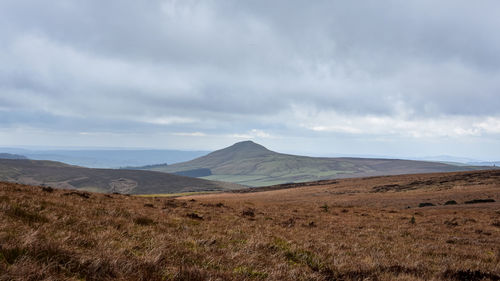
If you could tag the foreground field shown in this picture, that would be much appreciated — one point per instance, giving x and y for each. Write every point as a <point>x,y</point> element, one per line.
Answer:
<point>353,229</point>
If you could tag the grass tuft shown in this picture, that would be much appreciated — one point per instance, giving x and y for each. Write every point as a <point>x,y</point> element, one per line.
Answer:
<point>249,272</point>
<point>24,215</point>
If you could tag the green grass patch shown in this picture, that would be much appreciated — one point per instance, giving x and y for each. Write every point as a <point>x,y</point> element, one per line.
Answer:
<point>250,272</point>
<point>300,175</point>
<point>298,256</point>
<point>176,194</point>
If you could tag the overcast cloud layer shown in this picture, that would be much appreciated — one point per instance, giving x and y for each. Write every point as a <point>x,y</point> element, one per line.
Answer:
<point>323,77</point>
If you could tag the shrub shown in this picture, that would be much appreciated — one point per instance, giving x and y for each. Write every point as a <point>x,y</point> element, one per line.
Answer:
<point>47,189</point>
<point>412,220</point>
<point>194,216</point>
<point>425,204</point>
<point>144,221</point>
<point>249,212</point>
<point>475,201</point>
<point>324,208</point>
<point>84,195</point>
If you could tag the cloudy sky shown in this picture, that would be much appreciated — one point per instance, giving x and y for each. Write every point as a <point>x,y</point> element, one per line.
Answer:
<point>400,78</point>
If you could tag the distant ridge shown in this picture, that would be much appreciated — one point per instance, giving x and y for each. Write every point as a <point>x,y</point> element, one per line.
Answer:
<point>60,175</point>
<point>11,156</point>
<point>252,164</point>
<point>107,158</point>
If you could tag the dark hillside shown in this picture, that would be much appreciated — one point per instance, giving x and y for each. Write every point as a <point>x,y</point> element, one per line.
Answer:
<point>61,175</point>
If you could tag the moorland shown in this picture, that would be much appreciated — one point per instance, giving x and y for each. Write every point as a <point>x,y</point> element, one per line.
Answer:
<point>439,226</point>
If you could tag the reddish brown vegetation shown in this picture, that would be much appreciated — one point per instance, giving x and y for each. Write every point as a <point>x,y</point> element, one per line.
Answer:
<point>343,231</point>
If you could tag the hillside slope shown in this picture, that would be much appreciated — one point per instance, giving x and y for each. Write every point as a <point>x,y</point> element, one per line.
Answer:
<point>252,164</point>
<point>61,175</point>
<point>348,229</point>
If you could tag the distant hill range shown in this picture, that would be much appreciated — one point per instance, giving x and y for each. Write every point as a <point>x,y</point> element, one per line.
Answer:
<point>491,163</point>
<point>60,175</point>
<point>11,156</point>
<point>107,158</point>
<point>251,164</point>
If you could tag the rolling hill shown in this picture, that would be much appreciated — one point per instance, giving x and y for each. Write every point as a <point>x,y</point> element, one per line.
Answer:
<point>251,164</point>
<point>60,175</point>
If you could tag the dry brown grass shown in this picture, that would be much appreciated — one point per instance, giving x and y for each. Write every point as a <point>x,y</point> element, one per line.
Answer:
<point>353,229</point>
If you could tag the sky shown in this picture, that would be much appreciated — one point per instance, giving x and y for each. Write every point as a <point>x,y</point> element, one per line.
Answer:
<point>397,78</point>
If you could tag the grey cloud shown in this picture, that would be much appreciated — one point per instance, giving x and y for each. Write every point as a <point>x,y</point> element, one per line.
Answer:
<point>232,65</point>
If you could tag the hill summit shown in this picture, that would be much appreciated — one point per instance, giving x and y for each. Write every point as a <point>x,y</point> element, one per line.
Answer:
<point>239,150</point>
<point>249,163</point>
